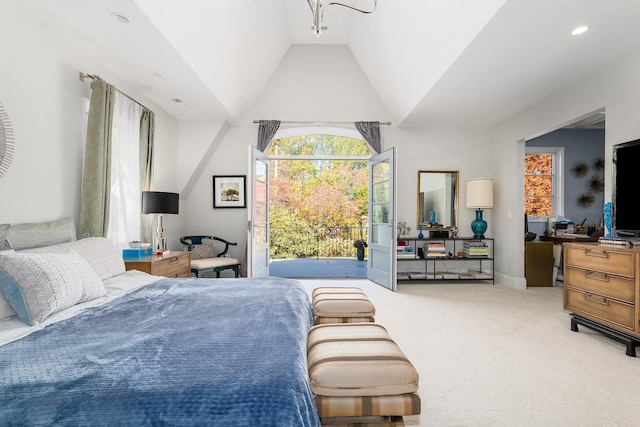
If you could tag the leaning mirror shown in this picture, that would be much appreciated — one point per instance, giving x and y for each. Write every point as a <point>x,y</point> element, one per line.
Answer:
<point>438,199</point>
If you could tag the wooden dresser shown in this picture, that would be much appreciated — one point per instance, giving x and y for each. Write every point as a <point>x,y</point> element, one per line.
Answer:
<point>602,290</point>
<point>172,264</point>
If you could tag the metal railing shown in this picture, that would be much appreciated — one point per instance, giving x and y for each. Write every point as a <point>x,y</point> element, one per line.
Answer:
<point>314,242</point>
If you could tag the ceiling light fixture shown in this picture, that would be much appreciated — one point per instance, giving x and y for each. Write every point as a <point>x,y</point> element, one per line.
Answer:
<point>580,30</point>
<point>318,6</point>
<point>120,18</point>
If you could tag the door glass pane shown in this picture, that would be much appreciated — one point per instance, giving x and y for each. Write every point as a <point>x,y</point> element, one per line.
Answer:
<point>380,172</point>
<point>380,192</point>
<point>260,207</point>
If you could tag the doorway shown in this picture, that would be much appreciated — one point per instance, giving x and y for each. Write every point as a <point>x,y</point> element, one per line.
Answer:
<point>579,150</point>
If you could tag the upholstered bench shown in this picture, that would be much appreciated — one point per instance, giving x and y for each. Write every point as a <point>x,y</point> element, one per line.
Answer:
<point>357,372</point>
<point>341,305</point>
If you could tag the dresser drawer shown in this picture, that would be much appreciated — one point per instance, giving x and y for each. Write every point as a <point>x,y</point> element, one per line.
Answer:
<point>601,283</point>
<point>600,308</point>
<point>599,258</point>
<point>172,266</point>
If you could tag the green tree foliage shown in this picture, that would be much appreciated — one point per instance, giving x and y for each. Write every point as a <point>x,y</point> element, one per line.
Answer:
<point>317,207</point>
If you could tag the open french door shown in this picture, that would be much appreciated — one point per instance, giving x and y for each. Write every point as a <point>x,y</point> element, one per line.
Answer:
<point>381,265</point>
<point>258,214</point>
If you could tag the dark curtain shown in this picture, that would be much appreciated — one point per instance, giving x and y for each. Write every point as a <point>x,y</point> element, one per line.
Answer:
<point>267,129</point>
<point>370,131</point>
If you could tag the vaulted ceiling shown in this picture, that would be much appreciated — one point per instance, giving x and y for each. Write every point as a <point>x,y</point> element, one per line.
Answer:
<point>446,62</point>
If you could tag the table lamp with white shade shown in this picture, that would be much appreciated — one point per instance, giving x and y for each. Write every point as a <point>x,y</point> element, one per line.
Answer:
<point>479,197</point>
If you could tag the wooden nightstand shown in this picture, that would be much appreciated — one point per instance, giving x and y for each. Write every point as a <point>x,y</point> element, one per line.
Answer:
<point>171,264</point>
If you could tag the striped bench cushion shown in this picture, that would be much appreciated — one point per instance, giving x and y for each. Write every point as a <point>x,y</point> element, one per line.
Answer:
<point>357,359</point>
<point>341,305</point>
<point>367,406</point>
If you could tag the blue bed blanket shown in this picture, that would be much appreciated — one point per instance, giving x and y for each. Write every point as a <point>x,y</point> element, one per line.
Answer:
<point>214,352</point>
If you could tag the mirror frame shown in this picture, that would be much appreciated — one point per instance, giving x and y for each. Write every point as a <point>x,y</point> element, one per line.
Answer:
<point>455,201</point>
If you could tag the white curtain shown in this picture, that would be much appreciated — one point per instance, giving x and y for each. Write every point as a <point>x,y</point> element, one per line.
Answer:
<point>125,209</point>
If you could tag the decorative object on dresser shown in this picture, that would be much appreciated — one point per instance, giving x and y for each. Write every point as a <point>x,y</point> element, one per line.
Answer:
<point>479,197</point>
<point>601,290</point>
<point>158,202</point>
<point>174,264</point>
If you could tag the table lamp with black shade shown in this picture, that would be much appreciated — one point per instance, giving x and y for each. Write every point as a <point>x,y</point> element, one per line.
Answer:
<point>479,197</point>
<point>158,202</point>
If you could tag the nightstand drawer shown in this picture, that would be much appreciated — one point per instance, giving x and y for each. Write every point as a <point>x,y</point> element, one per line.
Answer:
<point>599,307</point>
<point>603,259</point>
<point>601,283</point>
<point>172,266</point>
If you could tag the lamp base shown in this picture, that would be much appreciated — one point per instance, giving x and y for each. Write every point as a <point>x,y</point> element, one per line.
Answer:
<point>160,241</point>
<point>479,225</point>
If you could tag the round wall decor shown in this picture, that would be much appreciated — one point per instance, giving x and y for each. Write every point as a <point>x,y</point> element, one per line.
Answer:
<point>6,142</point>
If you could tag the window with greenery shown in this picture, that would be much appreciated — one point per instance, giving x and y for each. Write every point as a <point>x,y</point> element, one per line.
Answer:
<point>318,196</point>
<point>542,183</point>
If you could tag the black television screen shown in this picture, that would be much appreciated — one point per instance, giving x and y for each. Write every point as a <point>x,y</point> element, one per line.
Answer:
<point>626,163</point>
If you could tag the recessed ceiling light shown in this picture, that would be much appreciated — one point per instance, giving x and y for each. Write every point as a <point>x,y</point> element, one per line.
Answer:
<point>580,30</point>
<point>120,18</point>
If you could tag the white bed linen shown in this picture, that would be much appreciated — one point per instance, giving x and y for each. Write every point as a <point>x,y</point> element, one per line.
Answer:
<point>117,286</point>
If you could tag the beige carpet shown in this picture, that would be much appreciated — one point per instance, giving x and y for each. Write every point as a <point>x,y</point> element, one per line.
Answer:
<point>493,356</point>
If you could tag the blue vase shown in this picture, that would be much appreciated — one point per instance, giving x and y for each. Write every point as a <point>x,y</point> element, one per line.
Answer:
<point>420,235</point>
<point>479,225</point>
<point>360,254</point>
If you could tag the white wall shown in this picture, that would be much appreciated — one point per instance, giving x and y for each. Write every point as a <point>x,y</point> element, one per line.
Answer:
<point>42,93</point>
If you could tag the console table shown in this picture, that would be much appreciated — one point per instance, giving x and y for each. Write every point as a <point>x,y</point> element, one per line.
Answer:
<point>454,264</point>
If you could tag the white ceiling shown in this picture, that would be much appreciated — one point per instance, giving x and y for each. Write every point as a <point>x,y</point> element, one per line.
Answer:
<point>446,62</point>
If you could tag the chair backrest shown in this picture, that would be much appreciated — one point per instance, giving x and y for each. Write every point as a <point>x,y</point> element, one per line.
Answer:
<point>189,241</point>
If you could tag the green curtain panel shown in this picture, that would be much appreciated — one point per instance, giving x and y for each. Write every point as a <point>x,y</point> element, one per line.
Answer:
<point>147,132</point>
<point>94,202</point>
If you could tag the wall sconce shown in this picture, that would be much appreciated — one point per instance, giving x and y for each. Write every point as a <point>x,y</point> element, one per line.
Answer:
<point>158,202</point>
<point>479,197</point>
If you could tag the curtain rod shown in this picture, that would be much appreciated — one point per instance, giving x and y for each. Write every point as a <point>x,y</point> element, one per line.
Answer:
<point>318,122</point>
<point>97,77</point>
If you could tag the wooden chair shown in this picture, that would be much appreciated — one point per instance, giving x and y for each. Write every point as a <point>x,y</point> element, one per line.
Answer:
<point>205,260</point>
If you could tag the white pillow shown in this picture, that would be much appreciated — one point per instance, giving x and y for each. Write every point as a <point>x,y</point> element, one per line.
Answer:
<point>99,252</point>
<point>44,284</point>
<point>41,233</point>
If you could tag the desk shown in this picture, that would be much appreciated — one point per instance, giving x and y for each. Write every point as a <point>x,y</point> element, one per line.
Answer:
<point>538,264</point>
<point>557,249</point>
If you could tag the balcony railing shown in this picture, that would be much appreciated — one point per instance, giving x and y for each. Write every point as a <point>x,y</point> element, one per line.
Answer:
<point>314,242</point>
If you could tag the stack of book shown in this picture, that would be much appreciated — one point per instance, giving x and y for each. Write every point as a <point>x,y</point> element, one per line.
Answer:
<point>475,249</point>
<point>436,250</point>
<point>604,240</point>
<point>405,252</point>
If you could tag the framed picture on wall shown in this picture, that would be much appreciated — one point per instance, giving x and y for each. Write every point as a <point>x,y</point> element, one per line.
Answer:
<point>229,191</point>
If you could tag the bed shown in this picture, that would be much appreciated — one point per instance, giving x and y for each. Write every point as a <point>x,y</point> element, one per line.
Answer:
<point>156,351</point>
